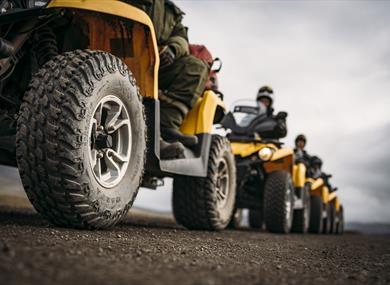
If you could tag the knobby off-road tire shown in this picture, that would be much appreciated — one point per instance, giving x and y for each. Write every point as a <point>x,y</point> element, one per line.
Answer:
<point>45,45</point>
<point>256,220</point>
<point>340,221</point>
<point>302,216</point>
<point>278,202</point>
<point>235,221</point>
<point>205,203</point>
<point>54,140</point>
<point>316,215</point>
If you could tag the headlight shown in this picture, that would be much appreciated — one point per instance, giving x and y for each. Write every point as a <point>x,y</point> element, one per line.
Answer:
<point>40,3</point>
<point>28,4</point>
<point>265,154</point>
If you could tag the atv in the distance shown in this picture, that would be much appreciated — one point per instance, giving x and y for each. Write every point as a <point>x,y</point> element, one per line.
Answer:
<point>79,96</point>
<point>326,210</point>
<point>264,169</point>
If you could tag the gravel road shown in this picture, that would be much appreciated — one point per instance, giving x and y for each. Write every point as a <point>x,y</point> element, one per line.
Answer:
<point>152,249</point>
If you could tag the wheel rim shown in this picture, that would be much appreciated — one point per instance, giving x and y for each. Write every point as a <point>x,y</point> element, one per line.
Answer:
<point>110,141</point>
<point>222,184</point>
<point>288,205</point>
<point>237,217</point>
<point>306,210</point>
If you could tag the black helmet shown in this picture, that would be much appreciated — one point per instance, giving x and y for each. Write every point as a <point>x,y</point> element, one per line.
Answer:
<point>265,92</point>
<point>315,160</point>
<point>300,137</point>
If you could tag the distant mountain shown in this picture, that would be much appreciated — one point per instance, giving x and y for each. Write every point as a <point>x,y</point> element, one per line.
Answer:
<point>369,228</point>
<point>10,181</point>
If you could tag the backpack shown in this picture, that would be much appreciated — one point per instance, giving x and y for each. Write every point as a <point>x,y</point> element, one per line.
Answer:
<point>202,53</point>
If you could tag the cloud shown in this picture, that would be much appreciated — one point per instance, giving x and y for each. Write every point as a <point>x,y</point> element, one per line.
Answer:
<point>328,62</point>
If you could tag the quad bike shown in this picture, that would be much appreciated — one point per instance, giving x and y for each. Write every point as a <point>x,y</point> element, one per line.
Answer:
<point>326,211</point>
<point>79,95</point>
<point>264,169</point>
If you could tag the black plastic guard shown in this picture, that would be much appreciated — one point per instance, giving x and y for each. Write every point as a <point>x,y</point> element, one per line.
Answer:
<point>196,161</point>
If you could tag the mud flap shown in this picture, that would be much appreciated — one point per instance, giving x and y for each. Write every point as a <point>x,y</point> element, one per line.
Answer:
<point>196,161</point>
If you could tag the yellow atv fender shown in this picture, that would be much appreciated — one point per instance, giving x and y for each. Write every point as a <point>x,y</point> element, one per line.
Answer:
<point>144,62</point>
<point>282,159</point>
<point>318,188</point>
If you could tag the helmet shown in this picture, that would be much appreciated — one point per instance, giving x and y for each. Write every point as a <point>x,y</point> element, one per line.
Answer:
<point>300,137</point>
<point>315,160</point>
<point>265,92</point>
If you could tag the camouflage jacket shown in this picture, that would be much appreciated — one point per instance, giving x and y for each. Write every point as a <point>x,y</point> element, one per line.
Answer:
<point>167,21</point>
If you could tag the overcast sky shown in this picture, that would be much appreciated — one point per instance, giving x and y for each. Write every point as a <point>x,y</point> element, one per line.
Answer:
<point>329,64</point>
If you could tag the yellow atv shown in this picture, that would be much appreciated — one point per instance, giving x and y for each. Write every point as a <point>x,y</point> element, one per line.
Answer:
<point>83,77</point>
<point>326,211</point>
<point>264,169</point>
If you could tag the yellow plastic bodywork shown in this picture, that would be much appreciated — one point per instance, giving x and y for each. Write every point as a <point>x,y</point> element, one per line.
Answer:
<point>247,149</point>
<point>282,159</point>
<point>318,188</point>
<point>316,184</point>
<point>200,119</point>
<point>335,200</point>
<point>145,60</point>
<point>337,203</point>
<point>332,196</point>
<point>299,175</point>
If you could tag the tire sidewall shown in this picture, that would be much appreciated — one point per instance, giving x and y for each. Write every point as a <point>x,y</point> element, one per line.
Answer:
<point>225,214</point>
<point>306,206</point>
<point>118,197</point>
<point>316,219</point>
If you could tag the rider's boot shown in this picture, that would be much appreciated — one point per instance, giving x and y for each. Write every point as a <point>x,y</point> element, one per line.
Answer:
<point>173,150</point>
<point>174,135</point>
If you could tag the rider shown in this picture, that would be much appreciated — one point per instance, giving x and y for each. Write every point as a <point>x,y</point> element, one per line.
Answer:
<point>265,99</point>
<point>315,167</point>
<point>316,172</point>
<point>182,77</point>
<point>301,154</point>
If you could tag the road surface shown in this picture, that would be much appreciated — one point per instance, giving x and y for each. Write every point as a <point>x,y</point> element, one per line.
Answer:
<point>152,249</point>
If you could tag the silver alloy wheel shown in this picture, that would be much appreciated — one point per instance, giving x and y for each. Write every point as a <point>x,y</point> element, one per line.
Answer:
<point>306,210</point>
<point>288,204</point>
<point>222,184</point>
<point>110,141</point>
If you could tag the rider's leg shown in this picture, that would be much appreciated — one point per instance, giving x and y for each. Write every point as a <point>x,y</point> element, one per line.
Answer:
<point>182,84</point>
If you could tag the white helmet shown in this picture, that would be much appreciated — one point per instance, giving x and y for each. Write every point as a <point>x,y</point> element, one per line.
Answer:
<point>266,92</point>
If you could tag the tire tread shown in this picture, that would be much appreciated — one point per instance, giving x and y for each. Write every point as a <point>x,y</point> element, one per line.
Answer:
<point>48,156</point>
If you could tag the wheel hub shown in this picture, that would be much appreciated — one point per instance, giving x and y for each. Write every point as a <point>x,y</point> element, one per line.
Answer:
<point>110,141</point>
<point>222,184</point>
<point>103,141</point>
